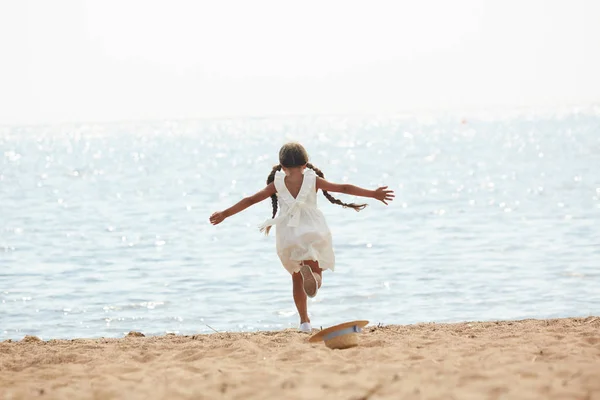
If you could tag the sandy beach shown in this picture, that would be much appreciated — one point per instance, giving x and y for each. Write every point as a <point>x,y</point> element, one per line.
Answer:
<point>530,359</point>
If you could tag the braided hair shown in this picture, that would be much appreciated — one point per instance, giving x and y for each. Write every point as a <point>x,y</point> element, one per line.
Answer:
<point>332,199</point>
<point>295,155</point>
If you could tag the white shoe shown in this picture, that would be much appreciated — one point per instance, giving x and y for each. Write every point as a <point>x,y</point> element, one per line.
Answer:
<point>309,282</point>
<point>305,327</point>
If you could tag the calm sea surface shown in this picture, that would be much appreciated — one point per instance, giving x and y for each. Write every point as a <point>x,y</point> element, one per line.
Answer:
<point>104,228</point>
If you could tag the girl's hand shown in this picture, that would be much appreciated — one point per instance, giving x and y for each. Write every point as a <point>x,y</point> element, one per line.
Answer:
<point>217,218</point>
<point>383,194</point>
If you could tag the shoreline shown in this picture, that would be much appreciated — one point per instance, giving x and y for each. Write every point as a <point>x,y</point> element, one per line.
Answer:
<point>520,359</point>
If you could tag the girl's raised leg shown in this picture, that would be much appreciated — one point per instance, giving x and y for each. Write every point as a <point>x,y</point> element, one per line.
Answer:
<point>311,277</point>
<point>314,266</point>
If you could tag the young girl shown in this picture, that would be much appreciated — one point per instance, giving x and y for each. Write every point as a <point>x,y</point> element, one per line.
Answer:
<point>303,239</point>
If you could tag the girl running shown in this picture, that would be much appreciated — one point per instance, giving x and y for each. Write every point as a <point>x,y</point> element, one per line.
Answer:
<point>303,239</point>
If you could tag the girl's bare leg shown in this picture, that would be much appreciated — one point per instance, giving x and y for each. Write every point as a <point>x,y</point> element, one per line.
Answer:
<point>300,297</point>
<point>299,294</point>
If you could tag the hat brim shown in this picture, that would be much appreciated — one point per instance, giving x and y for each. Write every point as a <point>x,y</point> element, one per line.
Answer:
<point>319,335</point>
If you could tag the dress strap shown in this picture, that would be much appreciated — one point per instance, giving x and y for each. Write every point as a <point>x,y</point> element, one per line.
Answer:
<point>308,185</point>
<point>282,191</point>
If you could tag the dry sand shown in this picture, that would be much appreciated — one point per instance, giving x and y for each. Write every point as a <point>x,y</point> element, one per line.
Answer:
<point>531,359</point>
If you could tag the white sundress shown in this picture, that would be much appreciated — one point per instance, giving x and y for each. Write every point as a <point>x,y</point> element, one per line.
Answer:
<point>301,230</point>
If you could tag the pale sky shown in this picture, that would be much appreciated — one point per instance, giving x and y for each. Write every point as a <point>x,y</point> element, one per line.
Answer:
<point>108,60</point>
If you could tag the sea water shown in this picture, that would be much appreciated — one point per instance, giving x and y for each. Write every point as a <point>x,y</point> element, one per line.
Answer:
<point>104,227</point>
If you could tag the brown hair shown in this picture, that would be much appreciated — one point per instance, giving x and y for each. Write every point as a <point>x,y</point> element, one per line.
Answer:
<point>295,155</point>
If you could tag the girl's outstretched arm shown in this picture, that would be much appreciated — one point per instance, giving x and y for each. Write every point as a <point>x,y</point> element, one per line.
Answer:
<point>382,193</point>
<point>219,216</point>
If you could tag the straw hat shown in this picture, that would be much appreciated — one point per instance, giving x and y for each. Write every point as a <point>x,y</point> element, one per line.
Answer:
<point>340,336</point>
